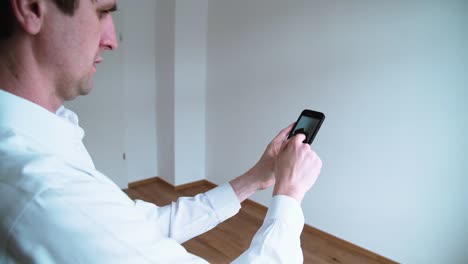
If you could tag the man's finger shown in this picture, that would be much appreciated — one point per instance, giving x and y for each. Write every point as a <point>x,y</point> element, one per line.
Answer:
<point>284,133</point>
<point>284,142</point>
<point>295,140</point>
<point>298,138</point>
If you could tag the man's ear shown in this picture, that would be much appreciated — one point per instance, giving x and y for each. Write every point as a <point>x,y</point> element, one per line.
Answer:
<point>29,14</point>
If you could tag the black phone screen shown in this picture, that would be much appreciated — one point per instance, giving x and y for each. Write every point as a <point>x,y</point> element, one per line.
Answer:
<point>308,124</point>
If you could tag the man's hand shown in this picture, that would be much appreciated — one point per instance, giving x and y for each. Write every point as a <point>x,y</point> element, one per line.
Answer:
<point>264,169</point>
<point>296,169</point>
<point>261,175</point>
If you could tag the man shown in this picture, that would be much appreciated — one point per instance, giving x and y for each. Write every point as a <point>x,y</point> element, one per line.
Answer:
<point>55,207</point>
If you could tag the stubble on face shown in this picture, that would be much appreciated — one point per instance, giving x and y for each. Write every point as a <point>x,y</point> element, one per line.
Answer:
<point>70,88</point>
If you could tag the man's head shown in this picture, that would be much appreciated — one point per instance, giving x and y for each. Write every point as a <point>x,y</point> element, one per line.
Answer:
<point>63,41</point>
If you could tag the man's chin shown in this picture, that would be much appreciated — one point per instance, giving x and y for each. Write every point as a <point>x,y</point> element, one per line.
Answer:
<point>86,87</point>
<point>79,92</point>
<point>86,91</point>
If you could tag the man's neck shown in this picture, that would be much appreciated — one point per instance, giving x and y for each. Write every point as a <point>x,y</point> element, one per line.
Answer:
<point>21,76</point>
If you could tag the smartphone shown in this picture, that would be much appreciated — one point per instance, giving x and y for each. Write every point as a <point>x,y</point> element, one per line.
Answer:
<point>308,123</point>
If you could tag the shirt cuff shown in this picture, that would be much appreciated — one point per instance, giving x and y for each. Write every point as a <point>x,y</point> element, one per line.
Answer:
<point>224,201</point>
<point>287,210</point>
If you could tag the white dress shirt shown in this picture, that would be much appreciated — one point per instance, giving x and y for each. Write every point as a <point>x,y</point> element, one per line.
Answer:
<point>55,207</point>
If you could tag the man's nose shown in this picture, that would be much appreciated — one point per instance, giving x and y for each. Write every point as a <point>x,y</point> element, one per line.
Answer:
<point>108,37</point>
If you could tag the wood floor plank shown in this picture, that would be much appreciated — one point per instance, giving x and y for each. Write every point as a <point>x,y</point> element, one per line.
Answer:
<point>228,240</point>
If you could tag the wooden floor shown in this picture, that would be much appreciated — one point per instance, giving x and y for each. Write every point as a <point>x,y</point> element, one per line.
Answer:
<point>229,239</point>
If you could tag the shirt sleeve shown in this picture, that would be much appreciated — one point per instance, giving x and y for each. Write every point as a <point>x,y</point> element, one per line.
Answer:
<point>278,239</point>
<point>192,216</point>
<point>88,222</point>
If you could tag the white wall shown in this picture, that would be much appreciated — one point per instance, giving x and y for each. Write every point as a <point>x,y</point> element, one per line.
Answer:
<point>181,88</point>
<point>391,76</point>
<point>190,90</point>
<point>139,68</point>
<point>165,24</point>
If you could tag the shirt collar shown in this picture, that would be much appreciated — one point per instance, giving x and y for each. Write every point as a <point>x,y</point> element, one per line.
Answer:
<point>57,131</point>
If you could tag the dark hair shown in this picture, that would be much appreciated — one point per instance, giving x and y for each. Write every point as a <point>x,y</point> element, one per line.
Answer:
<point>7,19</point>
